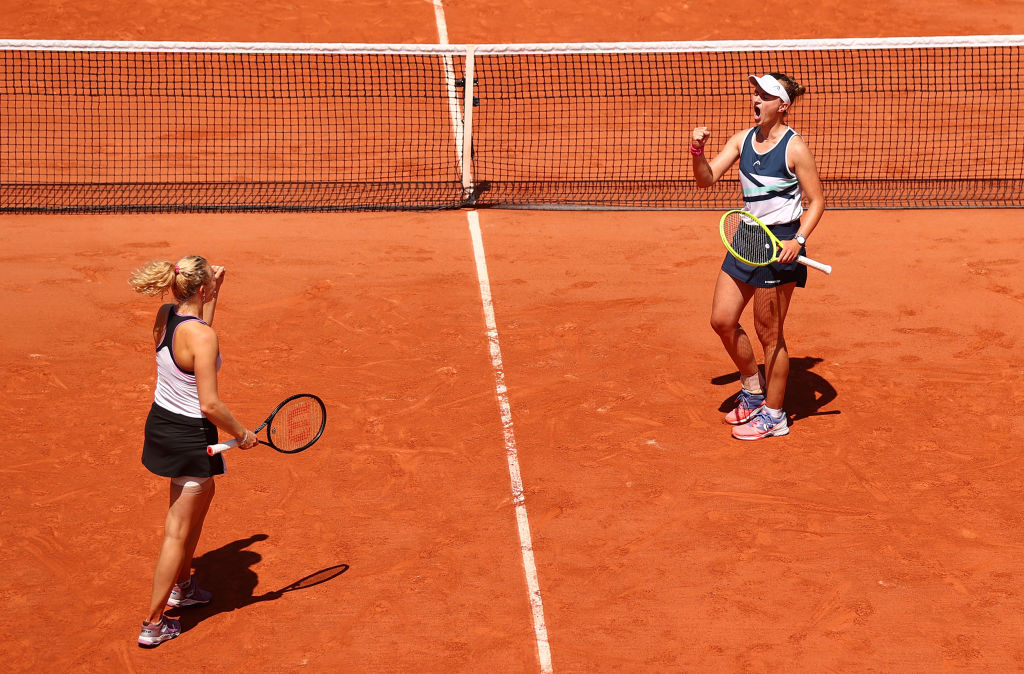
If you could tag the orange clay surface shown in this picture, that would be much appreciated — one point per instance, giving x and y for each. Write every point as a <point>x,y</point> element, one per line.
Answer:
<point>883,534</point>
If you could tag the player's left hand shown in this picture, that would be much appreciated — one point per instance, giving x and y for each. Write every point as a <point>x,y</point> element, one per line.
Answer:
<point>218,276</point>
<point>789,252</point>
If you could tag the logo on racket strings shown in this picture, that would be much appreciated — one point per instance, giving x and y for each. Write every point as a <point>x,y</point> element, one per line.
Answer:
<point>298,423</point>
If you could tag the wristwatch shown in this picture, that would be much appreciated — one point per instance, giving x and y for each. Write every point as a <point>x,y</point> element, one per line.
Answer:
<point>801,239</point>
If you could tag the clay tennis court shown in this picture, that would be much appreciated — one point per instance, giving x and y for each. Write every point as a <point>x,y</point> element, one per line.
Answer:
<point>882,534</point>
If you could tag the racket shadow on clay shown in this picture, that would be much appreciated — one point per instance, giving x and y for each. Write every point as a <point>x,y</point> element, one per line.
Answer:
<point>228,573</point>
<point>807,392</point>
<point>313,579</point>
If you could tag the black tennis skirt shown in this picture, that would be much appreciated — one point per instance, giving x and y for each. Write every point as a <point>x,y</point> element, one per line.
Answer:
<point>175,445</point>
<point>775,274</point>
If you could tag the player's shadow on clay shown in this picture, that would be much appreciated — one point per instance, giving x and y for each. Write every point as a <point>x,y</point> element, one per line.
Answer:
<point>228,573</point>
<point>806,392</point>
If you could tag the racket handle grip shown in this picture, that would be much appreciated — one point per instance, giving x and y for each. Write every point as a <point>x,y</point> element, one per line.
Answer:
<point>220,447</point>
<point>820,266</point>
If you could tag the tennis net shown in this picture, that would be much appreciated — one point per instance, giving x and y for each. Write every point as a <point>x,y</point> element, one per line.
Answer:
<point>121,126</point>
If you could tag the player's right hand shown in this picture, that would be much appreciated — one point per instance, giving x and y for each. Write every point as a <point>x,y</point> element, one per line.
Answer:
<point>250,440</point>
<point>700,136</point>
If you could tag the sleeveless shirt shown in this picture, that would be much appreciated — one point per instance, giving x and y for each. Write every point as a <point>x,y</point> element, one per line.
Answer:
<point>770,190</point>
<point>176,389</point>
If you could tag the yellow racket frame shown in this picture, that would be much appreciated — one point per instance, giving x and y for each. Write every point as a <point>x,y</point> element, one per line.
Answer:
<point>776,243</point>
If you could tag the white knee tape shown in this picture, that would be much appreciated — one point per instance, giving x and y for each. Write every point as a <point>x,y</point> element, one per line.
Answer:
<point>190,484</point>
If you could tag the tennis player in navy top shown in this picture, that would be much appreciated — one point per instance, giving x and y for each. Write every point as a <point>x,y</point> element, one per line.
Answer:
<point>781,187</point>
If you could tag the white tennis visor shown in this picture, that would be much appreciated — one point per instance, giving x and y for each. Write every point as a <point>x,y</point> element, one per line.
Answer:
<point>770,85</point>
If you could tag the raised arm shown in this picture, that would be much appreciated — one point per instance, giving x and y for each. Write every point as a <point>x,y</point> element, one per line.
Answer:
<point>210,307</point>
<point>707,172</point>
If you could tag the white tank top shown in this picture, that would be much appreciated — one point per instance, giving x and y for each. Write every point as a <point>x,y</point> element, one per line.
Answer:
<point>176,387</point>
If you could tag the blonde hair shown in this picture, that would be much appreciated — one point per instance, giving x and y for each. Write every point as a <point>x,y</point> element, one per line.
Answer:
<point>183,279</point>
<point>792,87</point>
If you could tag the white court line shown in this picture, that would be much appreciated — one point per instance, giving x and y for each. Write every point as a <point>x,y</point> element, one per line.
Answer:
<point>511,453</point>
<point>442,25</point>
<point>458,128</point>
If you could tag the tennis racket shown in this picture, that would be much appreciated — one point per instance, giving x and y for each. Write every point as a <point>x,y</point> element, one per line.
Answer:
<point>750,241</point>
<point>293,426</point>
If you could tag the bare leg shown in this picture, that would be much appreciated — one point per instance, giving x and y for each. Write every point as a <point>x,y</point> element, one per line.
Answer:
<point>195,531</point>
<point>770,308</point>
<point>186,509</point>
<point>731,297</point>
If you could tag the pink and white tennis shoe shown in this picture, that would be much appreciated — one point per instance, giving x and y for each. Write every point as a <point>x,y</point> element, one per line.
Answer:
<point>154,634</point>
<point>747,405</point>
<point>762,425</point>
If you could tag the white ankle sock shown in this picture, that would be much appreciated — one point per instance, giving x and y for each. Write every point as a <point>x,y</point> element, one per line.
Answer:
<point>775,414</point>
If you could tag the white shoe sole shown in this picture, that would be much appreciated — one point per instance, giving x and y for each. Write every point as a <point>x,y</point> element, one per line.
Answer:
<point>154,642</point>
<point>774,433</point>
<point>187,603</point>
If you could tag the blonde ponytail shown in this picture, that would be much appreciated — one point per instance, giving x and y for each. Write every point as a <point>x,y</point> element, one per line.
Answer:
<point>183,279</point>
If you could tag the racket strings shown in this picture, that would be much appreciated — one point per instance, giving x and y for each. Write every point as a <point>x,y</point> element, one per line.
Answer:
<point>748,240</point>
<point>297,424</point>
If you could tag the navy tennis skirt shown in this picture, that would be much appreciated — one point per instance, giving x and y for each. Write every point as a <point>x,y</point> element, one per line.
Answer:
<point>775,274</point>
<point>175,445</point>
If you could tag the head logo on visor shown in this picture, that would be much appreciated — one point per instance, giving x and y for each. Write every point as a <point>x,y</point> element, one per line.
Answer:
<point>770,85</point>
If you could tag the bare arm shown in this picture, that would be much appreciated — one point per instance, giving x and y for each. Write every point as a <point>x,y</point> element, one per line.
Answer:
<point>204,346</point>
<point>707,172</point>
<point>160,324</point>
<point>802,164</point>
<point>210,307</point>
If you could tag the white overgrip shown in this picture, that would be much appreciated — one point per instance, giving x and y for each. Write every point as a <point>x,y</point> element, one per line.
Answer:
<point>820,266</point>
<point>220,447</point>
